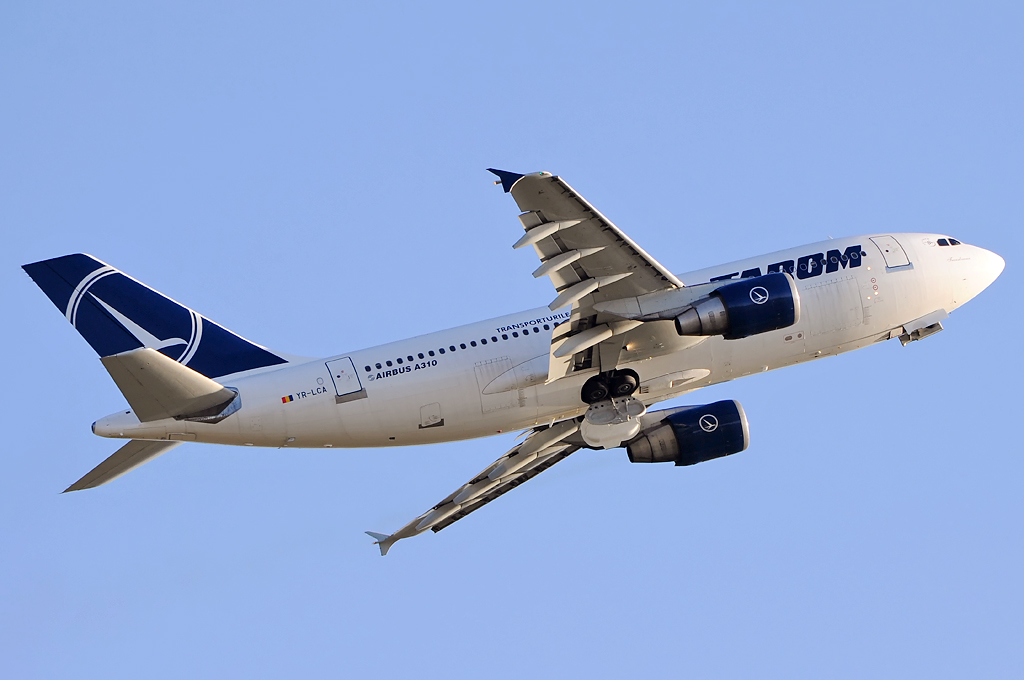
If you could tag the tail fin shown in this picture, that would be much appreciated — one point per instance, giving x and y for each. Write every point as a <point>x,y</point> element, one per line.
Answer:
<point>115,314</point>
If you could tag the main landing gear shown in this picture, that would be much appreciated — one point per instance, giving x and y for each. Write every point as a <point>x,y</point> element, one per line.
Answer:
<point>610,386</point>
<point>614,414</point>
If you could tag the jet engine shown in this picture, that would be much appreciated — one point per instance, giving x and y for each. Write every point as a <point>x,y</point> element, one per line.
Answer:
<point>744,308</point>
<point>690,434</point>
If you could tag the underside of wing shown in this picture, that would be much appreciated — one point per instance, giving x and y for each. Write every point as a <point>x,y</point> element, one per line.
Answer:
<point>577,243</point>
<point>538,452</point>
<point>589,261</point>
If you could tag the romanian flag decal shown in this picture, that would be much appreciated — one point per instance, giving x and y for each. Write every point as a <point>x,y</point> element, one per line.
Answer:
<point>285,400</point>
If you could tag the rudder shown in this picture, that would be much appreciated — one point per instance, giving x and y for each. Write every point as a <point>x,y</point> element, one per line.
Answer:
<point>115,314</point>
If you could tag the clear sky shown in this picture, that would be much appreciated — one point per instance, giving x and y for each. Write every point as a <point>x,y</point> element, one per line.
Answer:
<point>311,175</point>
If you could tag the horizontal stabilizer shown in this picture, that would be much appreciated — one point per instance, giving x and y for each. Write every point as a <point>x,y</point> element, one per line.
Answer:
<point>158,387</point>
<point>127,458</point>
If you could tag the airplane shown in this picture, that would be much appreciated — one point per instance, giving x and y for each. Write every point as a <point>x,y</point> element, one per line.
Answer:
<point>622,334</point>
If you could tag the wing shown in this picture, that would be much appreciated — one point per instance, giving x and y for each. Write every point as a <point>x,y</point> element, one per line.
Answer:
<point>577,243</point>
<point>589,261</point>
<point>539,451</point>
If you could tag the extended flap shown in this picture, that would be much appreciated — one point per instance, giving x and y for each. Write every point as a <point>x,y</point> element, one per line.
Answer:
<point>158,387</point>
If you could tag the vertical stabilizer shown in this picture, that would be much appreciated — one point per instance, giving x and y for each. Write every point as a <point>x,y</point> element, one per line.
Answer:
<point>116,314</point>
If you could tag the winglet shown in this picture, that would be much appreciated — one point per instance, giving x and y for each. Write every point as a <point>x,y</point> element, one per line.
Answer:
<point>383,540</point>
<point>507,178</point>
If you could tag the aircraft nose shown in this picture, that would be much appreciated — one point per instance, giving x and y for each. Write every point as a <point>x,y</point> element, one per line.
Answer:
<point>991,267</point>
<point>975,272</point>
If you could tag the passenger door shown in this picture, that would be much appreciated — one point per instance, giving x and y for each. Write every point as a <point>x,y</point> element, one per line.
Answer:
<point>346,381</point>
<point>892,251</point>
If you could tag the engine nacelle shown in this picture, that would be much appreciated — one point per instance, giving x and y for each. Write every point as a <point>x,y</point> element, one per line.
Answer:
<point>744,308</point>
<point>691,434</point>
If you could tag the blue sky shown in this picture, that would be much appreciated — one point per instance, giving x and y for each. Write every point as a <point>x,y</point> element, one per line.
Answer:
<point>312,177</point>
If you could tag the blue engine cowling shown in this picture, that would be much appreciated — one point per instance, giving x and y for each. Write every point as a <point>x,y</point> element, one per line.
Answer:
<point>691,434</point>
<point>744,308</point>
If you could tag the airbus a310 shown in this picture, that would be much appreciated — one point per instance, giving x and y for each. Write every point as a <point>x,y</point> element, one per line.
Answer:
<point>622,334</point>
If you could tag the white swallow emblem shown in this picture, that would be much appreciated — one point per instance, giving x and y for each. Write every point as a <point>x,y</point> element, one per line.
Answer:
<point>708,422</point>
<point>759,295</point>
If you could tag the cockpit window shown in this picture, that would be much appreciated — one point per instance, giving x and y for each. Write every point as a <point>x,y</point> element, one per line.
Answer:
<point>954,242</point>
<point>943,242</point>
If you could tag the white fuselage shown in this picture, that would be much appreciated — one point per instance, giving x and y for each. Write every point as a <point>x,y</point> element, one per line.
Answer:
<point>394,401</point>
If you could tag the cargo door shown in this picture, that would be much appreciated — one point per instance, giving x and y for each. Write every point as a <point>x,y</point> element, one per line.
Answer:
<point>346,381</point>
<point>892,251</point>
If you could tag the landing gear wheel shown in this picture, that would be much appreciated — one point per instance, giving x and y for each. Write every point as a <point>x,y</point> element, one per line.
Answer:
<point>595,390</point>
<point>623,385</point>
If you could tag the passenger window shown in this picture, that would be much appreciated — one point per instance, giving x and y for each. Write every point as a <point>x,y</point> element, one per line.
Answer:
<point>483,341</point>
<point>546,327</point>
<point>515,334</point>
<point>943,242</point>
<point>451,347</point>
<point>410,358</point>
<point>379,366</point>
<point>367,369</point>
<point>504,337</point>
<point>536,330</point>
<point>399,360</point>
<point>388,363</point>
<point>430,352</point>
<point>462,345</point>
<point>494,339</point>
<point>420,355</point>
<point>954,242</point>
<point>472,343</point>
<point>441,350</point>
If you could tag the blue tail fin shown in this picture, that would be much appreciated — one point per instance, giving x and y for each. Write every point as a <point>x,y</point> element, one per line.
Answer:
<point>115,313</point>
